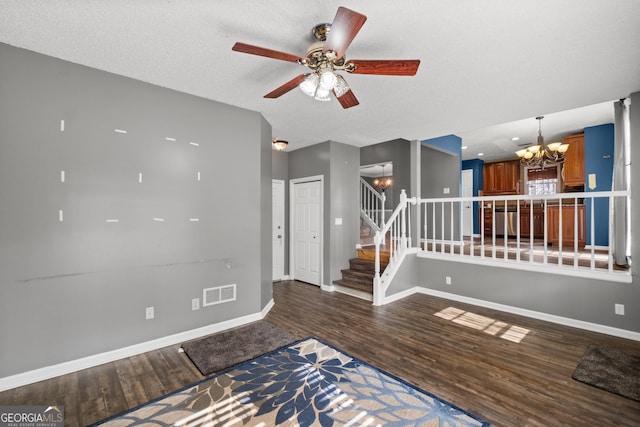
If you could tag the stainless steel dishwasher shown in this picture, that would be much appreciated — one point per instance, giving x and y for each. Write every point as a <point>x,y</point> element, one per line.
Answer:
<point>511,218</point>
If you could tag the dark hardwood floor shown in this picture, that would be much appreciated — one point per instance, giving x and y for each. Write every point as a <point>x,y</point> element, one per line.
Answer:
<point>521,381</point>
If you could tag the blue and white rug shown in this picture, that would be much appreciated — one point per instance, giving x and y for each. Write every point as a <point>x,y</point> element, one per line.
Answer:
<point>308,383</point>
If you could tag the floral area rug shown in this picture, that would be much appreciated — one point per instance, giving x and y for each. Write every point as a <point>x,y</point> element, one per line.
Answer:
<point>308,383</point>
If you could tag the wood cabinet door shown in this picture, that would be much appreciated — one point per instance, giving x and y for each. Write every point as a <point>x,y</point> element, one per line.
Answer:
<point>569,226</point>
<point>511,176</point>
<point>537,216</point>
<point>489,179</point>
<point>525,222</point>
<point>487,221</point>
<point>573,169</point>
<point>499,177</point>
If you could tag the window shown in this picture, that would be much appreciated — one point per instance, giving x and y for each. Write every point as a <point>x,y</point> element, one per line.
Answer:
<point>542,181</point>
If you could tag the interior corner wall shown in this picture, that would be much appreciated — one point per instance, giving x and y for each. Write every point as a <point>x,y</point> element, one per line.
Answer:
<point>280,170</point>
<point>344,219</point>
<point>266,213</point>
<point>117,195</point>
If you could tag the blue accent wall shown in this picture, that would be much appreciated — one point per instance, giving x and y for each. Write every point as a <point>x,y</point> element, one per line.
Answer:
<point>598,160</point>
<point>477,166</point>
<point>450,143</point>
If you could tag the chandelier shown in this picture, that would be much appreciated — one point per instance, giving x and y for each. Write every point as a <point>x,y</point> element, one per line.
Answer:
<point>383,182</point>
<point>542,154</point>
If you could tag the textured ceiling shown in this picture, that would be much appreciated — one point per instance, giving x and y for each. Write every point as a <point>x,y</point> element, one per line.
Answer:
<point>484,62</point>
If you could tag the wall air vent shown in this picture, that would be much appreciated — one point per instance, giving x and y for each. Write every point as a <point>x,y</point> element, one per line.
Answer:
<point>218,295</point>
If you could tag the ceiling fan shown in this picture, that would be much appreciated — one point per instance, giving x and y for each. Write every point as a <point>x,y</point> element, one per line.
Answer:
<point>326,56</point>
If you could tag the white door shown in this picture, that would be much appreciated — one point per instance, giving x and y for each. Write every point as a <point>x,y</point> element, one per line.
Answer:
<point>306,219</point>
<point>277,196</point>
<point>467,206</point>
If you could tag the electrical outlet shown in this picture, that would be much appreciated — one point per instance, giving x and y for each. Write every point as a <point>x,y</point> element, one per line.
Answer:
<point>446,190</point>
<point>195,304</point>
<point>149,313</point>
<point>447,280</point>
<point>620,309</point>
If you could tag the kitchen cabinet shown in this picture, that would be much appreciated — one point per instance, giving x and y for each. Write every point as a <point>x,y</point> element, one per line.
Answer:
<point>501,178</point>
<point>569,225</point>
<point>573,169</point>
<point>487,216</point>
<point>526,216</point>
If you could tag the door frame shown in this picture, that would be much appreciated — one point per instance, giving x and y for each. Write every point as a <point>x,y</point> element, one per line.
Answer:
<point>280,183</point>
<point>292,224</point>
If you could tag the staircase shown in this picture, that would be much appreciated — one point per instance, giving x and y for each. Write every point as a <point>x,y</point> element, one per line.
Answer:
<point>368,276</point>
<point>357,280</point>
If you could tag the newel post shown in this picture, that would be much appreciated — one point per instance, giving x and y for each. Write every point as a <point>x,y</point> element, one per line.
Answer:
<point>403,220</point>
<point>377,294</point>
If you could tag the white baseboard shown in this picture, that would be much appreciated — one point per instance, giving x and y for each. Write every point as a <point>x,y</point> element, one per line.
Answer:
<point>328,288</point>
<point>566,321</point>
<point>40,374</point>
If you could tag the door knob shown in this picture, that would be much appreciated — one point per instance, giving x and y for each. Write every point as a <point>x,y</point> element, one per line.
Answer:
<point>279,236</point>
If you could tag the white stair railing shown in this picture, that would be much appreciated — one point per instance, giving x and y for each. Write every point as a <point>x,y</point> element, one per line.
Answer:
<point>544,233</point>
<point>395,237</point>
<point>372,205</point>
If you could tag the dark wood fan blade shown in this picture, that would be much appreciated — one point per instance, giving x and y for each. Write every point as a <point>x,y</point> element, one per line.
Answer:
<point>291,84</point>
<point>344,28</point>
<point>348,100</point>
<point>262,51</point>
<point>398,67</point>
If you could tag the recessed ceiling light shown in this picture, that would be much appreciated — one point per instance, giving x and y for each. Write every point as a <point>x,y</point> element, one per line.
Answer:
<point>515,138</point>
<point>480,154</point>
<point>464,147</point>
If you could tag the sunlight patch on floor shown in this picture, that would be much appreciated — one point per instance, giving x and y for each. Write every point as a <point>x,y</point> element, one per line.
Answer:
<point>483,323</point>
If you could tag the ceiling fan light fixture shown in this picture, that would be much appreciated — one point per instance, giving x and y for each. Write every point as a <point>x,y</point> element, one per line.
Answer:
<point>310,84</point>
<point>327,79</point>
<point>322,94</point>
<point>341,87</point>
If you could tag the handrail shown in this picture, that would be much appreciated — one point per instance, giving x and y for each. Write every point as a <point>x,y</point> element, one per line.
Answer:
<point>398,236</point>
<point>372,205</point>
<point>578,216</point>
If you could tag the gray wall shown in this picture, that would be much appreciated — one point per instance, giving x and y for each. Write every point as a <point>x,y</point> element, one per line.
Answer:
<point>265,189</point>
<point>339,165</point>
<point>280,170</point>
<point>79,287</point>
<point>397,151</point>
<point>575,298</point>
<point>439,170</point>
<point>345,196</point>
